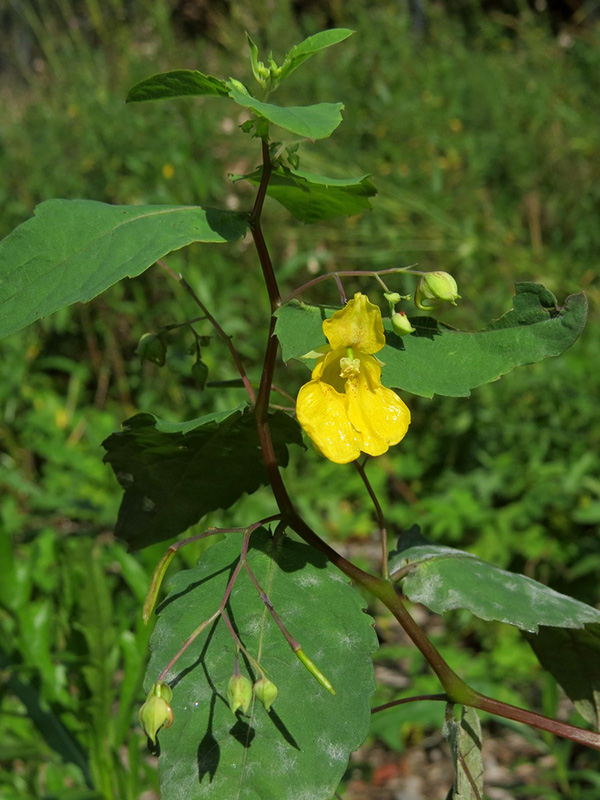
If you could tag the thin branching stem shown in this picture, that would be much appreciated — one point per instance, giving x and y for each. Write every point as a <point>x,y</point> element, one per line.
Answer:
<point>239,645</point>
<point>417,698</point>
<point>223,603</point>
<point>385,571</point>
<point>293,643</point>
<point>348,273</point>
<point>221,333</point>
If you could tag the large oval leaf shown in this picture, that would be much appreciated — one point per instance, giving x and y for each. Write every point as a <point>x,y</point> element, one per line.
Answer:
<point>443,579</point>
<point>301,747</point>
<point>437,359</point>
<point>72,250</point>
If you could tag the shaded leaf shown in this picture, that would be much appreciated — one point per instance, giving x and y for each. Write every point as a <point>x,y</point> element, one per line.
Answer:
<point>572,657</point>
<point>72,250</point>
<point>443,578</point>
<point>437,359</point>
<point>175,473</point>
<point>300,748</point>
<point>464,738</point>
<point>313,44</point>
<point>312,198</point>
<point>177,83</point>
<point>313,122</point>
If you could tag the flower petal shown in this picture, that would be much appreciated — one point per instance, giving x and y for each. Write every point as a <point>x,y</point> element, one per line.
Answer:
<point>357,325</point>
<point>321,411</point>
<point>379,416</point>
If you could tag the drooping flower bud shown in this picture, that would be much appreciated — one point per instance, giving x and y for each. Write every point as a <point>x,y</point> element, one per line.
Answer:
<point>200,374</point>
<point>392,297</point>
<point>266,691</point>
<point>156,712</point>
<point>152,348</point>
<point>239,693</point>
<point>436,288</point>
<point>401,324</point>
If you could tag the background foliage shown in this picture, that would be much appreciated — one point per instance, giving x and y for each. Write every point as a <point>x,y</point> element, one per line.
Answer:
<point>482,141</point>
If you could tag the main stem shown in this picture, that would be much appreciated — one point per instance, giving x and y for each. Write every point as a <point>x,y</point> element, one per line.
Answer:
<point>455,688</point>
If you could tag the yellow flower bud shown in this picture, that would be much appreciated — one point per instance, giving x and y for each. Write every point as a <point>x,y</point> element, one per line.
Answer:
<point>435,288</point>
<point>156,713</point>
<point>239,693</point>
<point>266,691</point>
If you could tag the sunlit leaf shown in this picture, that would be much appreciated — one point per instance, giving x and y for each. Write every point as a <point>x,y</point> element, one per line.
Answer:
<point>313,44</point>
<point>443,578</point>
<point>300,748</point>
<point>312,198</point>
<point>313,122</point>
<point>72,250</point>
<point>437,359</point>
<point>177,83</point>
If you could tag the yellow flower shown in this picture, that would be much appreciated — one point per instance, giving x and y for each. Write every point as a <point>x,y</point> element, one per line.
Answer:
<point>344,408</point>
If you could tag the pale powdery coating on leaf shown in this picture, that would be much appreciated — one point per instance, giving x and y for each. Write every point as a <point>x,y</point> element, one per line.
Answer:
<point>492,593</point>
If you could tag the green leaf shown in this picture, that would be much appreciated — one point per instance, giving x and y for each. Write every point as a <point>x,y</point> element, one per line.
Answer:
<point>175,473</point>
<point>572,657</point>
<point>313,122</point>
<point>300,748</point>
<point>312,198</point>
<point>177,83</point>
<point>464,738</point>
<point>443,579</point>
<point>72,250</point>
<point>437,359</point>
<point>313,44</point>
<point>254,61</point>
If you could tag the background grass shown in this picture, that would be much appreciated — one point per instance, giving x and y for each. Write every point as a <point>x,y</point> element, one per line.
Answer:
<point>483,142</point>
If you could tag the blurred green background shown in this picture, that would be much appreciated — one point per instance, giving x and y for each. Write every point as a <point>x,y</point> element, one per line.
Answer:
<point>480,129</point>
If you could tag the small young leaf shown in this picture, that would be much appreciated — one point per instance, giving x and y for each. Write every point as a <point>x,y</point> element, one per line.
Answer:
<point>73,250</point>
<point>259,70</point>
<point>177,83</point>
<point>313,122</point>
<point>443,578</point>
<point>464,738</point>
<point>300,747</point>
<point>572,657</point>
<point>313,198</point>
<point>313,44</point>
<point>437,359</point>
<point>175,473</point>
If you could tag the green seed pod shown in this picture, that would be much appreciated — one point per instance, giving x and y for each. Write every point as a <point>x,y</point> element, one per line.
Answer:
<point>156,713</point>
<point>239,693</point>
<point>401,324</point>
<point>435,288</point>
<point>266,691</point>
